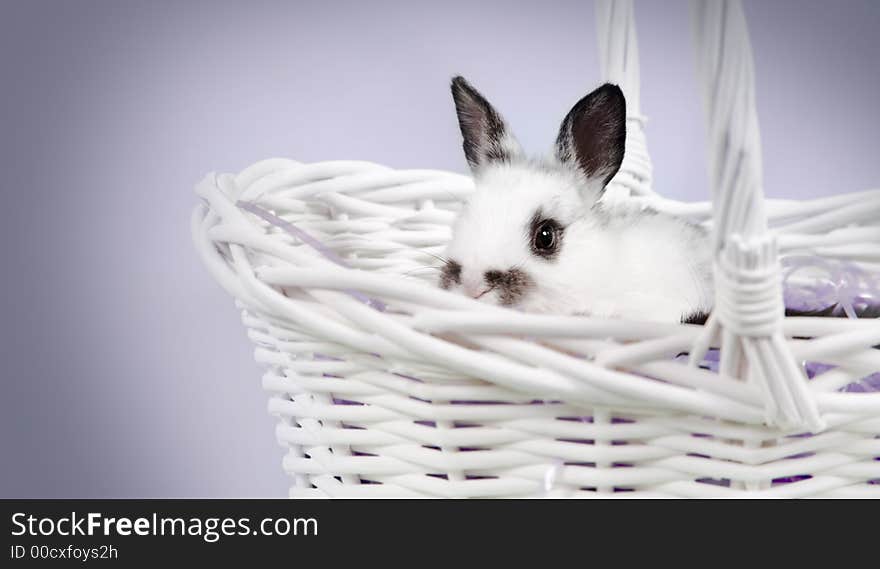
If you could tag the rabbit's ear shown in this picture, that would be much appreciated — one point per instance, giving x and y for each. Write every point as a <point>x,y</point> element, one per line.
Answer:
<point>593,134</point>
<point>486,137</point>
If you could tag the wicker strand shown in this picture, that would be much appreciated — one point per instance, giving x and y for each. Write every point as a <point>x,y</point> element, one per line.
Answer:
<point>619,63</point>
<point>749,302</point>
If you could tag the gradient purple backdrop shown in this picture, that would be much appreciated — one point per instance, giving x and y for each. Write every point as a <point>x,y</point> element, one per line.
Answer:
<point>126,371</point>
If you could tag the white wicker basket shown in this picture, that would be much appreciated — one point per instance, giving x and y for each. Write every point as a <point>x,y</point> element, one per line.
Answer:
<point>386,386</point>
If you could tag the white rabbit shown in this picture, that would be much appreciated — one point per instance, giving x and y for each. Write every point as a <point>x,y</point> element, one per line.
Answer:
<point>536,236</point>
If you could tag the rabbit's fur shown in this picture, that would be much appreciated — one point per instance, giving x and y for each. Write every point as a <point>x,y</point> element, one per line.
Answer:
<point>536,236</point>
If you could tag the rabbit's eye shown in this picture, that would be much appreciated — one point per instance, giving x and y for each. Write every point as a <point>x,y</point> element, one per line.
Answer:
<point>545,237</point>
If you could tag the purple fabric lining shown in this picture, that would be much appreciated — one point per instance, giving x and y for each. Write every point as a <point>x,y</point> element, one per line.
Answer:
<point>847,288</point>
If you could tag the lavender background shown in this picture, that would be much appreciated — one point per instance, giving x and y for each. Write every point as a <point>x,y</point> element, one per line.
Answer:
<point>125,371</point>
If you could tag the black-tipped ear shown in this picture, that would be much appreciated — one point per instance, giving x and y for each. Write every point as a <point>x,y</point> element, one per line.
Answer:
<point>486,138</point>
<point>593,134</point>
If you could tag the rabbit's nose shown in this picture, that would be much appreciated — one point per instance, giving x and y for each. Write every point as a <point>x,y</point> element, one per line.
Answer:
<point>473,285</point>
<point>474,290</point>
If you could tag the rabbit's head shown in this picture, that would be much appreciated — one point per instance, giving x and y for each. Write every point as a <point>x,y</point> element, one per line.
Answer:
<point>515,240</point>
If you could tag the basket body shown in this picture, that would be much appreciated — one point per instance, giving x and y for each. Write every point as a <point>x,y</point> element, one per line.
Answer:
<point>385,386</point>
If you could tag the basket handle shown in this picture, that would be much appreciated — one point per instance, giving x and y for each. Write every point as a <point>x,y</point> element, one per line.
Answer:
<point>749,308</point>
<point>619,64</point>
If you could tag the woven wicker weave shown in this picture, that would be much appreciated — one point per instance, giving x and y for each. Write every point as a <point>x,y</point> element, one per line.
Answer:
<point>386,386</point>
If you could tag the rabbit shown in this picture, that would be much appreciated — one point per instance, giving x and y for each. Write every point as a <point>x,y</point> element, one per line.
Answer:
<point>536,236</point>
